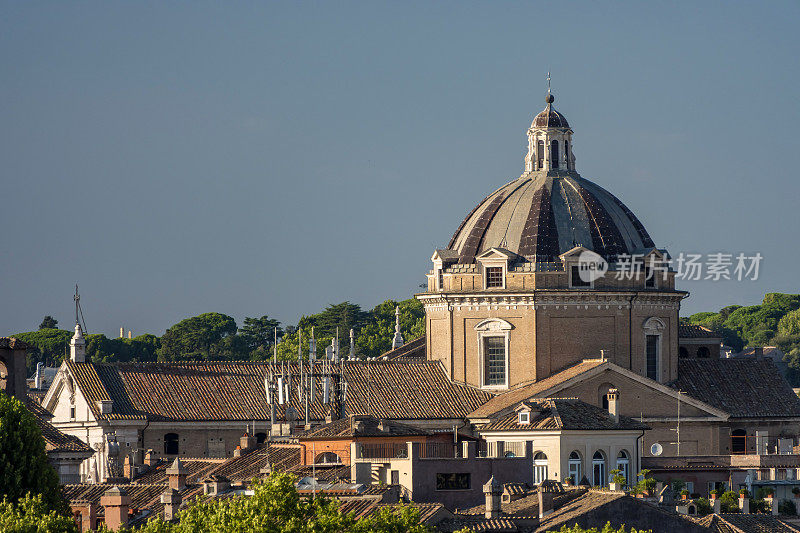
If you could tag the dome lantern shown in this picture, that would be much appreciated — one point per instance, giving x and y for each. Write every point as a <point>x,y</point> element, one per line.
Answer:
<point>549,141</point>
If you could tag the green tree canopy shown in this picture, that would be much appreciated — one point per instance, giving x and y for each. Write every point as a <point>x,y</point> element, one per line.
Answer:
<point>48,322</point>
<point>23,460</point>
<point>260,332</point>
<point>31,515</point>
<point>199,337</point>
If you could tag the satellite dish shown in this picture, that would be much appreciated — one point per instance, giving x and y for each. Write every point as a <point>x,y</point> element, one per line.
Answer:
<point>656,449</point>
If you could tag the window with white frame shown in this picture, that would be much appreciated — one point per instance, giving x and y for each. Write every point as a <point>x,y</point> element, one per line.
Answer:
<point>494,277</point>
<point>524,417</point>
<point>623,465</point>
<point>493,343</point>
<point>539,468</point>
<point>575,470</point>
<point>598,469</point>
<point>653,329</point>
<point>494,361</point>
<point>440,279</point>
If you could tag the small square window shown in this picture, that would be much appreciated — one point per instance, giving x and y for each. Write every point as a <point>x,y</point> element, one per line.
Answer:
<point>524,417</point>
<point>494,277</point>
<point>575,280</point>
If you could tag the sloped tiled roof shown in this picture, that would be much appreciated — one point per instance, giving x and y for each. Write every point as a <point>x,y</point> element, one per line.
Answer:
<point>361,426</point>
<point>513,397</point>
<point>696,331</point>
<point>322,473</point>
<point>746,523</point>
<point>235,391</point>
<point>55,440</point>
<point>742,387</point>
<point>564,413</point>
<point>414,350</point>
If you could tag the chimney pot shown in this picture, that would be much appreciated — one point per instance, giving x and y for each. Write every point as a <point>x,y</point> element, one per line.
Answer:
<point>613,404</point>
<point>493,492</point>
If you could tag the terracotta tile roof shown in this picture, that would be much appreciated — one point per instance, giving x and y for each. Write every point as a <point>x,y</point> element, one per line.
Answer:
<point>563,413</point>
<point>365,506</point>
<point>513,397</point>
<point>322,473</point>
<point>356,426</point>
<point>744,387</point>
<point>696,331</point>
<point>12,343</point>
<point>748,523</point>
<point>197,468</point>
<point>235,391</point>
<point>142,496</point>
<point>414,350</point>
<point>55,440</point>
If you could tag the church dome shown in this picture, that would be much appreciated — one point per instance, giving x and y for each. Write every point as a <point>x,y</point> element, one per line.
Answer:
<point>544,214</point>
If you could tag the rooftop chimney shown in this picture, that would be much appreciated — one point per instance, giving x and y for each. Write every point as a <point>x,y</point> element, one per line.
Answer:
<point>758,351</point>
<point>116,502</point>
<point>613,404</point>
<point>546,495</point>
<point>493,491</point>
<point>37,383</point>
<point>177,475</point>
<point>150,458</point>
<point>247,442</point>
<point>171,499</point>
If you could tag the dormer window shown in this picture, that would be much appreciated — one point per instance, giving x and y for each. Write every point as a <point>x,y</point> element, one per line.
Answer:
<point>575,280</point>
<point>494,277</point>
<point>524,417</point>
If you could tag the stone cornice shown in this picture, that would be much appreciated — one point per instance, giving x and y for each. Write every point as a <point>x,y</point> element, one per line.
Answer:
<point>555,299</point>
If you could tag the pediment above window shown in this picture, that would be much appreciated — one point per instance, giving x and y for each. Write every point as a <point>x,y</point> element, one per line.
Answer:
<point>493,324</point>
<point>654,325</point>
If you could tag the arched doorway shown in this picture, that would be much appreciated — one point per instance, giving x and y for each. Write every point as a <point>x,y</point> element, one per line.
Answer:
<point>539,467</point>
<point>261,437</point>
<point>683,353</point>
<point>703,352</point>
<point>738,441</point>
<point>575,470</point>
<point>623,465</point>
<point>598,469</point>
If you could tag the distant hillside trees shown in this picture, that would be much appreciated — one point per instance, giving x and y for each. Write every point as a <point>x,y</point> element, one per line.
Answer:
<point>776,321</point>
<point>216,336</point>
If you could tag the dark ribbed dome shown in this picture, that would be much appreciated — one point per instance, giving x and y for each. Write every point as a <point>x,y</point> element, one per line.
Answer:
<point>549,117</point>
<point>541,216</point>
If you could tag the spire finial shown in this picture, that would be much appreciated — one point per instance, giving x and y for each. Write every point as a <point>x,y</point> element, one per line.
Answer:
<point>398,336</point>
<point>549,99</point>
<point>77,299</point>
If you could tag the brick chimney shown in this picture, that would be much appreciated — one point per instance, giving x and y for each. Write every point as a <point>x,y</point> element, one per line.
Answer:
<point>171,499</point>
<point>493,491</point>
<point>127,471</point>
<point>546,494</point>
<point>177,475</point>
<point>744,504</point>
<point>116,502</point>
<point>150,458</point>
<point>613,404</point>
<point>247,442</point>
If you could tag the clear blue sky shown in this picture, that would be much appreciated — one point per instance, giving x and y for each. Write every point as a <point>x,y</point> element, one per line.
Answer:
<point>260,158</point>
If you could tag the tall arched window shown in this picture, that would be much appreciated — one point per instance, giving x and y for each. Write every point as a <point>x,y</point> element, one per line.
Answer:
<point>171,444</point>
<point>623,465</point>
<point>575,470</point>
<point>261,438</point>
<point>653,328</point>
<point>554,154</point>
<point>539,467</point>
<point>566,155</point>
<point>598,469</point>
<point>539,155</point>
